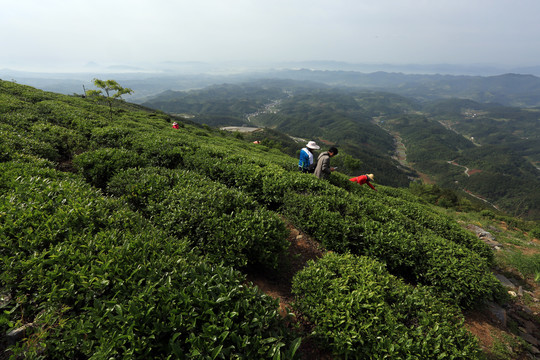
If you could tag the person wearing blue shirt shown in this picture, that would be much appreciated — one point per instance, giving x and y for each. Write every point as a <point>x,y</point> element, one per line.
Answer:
<point>306,163</point>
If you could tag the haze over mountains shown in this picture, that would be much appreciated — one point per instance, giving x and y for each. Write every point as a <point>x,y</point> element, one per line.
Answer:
<point>150,79</point>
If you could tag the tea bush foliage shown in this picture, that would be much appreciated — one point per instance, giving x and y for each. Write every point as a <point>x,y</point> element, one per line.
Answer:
<point>360,311</point>
<point>98,280</point>
<point>417,253</point>
<point>231,226</point>
<point>98,166</point>
<point>138,250</point>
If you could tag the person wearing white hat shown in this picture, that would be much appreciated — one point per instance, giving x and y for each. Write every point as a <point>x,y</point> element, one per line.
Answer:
<point>306,163</point>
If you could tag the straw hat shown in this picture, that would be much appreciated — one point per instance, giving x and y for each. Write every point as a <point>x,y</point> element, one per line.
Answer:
<point>313,145</point>
<point>371,177</point>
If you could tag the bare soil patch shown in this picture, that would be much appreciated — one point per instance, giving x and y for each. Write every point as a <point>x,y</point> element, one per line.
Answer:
<point>474,171</point>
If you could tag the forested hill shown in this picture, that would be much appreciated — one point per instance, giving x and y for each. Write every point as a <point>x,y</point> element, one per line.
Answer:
<point>507,89</point>
<point>443,139</point>
<point>122,237</point>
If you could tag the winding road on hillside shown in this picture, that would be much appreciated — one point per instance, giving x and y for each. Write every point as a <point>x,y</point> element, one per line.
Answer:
<point>453,162</point>
<point>467,172</point>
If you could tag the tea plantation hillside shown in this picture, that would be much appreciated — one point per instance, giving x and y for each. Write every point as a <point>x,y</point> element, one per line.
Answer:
<point>127,239</point>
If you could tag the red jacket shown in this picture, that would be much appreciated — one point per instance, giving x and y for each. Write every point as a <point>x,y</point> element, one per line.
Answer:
<point>362,179</point>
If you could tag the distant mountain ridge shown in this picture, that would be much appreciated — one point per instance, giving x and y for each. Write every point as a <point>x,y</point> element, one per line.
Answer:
<point>510,89</point>
<point>507,89</point>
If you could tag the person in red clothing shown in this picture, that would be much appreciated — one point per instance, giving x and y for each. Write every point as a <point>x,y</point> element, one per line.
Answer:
<point>175,125</point>
<point>364,179</point>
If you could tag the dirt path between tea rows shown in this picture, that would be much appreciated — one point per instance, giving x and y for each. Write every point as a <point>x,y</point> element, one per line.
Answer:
<point>278,285</point>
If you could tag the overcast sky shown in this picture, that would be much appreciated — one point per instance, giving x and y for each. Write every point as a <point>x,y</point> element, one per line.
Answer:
<point>43,34</point>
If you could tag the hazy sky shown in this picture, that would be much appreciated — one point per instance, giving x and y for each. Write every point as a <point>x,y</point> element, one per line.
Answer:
<point>63,33</point>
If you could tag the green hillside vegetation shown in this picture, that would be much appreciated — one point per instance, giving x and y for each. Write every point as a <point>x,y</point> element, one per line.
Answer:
<point>341,117</point>
<point>226,104</point>
<point>430,145</point>
<point>499,145</point>
<point>128,239</point>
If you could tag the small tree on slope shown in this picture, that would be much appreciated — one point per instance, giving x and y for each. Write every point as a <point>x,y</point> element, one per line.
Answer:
<point>109,90</point>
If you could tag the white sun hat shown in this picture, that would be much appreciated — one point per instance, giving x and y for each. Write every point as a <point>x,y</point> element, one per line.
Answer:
<point>313,145</point>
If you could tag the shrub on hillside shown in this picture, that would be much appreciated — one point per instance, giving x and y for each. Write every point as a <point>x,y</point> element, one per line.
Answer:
<point>9,103</point>
<point>23,142</point>
<point>224,223</point>
<point>360,311</point>
<point>535,232</point>
<point>111,137</point>
<point>163,151</point>
<point>221,222</point>
<point>65,141</point>
<point>142,186</point>
<point>98,166</point>
<point>95,279</point>
<point>424,217</point>
<point>32,160</point>
<point>26,93</point>
<point>349,223</point>
<point>61,112</point>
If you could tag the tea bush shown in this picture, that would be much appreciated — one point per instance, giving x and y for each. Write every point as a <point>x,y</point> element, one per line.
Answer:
<point>535,232</point>
<point>98,280</point>
<point>26,93</point>
<point>437,223</point>
<point>163,151</point>
<point>65,141</point>
<point>10,103</point>
<point>98,166</point>
<point>111,137</point>
<point>22,142</point>
<point>31,160</point>
<point>20,120</point>
<point>142,186</point>
<point>61,113</point>
<point>415,253</point>
<point>359,311</point>
<point>59,227</point>
<point>195,310</point>
<point>221,222</point>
